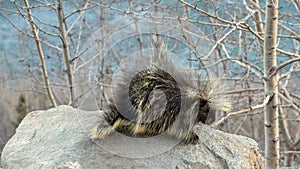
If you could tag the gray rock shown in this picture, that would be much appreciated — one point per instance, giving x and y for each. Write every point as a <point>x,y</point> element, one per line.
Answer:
<point>58,138</point>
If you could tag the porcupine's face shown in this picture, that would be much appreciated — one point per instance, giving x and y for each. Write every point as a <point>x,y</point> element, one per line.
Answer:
<point>203,110</point>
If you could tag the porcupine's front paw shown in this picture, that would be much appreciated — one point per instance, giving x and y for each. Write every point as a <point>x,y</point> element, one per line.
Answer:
<point>191,138</point>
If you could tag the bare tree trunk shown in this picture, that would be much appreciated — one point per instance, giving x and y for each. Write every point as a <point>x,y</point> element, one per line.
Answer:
<point>285,137</point>
<point>258,20</point>
<point>271,86</point>
<point>102,71</point>
<point>63,36</point>
<point>40,52</point>
<point>259,23</point>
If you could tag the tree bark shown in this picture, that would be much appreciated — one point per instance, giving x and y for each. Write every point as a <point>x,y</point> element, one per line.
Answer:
<point>271,86</point>
<point>63,36</point>
<point>258,20</point>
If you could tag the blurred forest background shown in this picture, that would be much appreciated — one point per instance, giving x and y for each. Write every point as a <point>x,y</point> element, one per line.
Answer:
<point>65,52</point>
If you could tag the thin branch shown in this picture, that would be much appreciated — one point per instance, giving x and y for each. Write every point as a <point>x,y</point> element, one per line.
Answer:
<point>244,90</point>
<point>63,36</point>
<point>223,119</point>
<point>27,34</point>
<point>292,104</point>
<point>294,55</point>
<point>206,13</point>
<point>41,54</point>
<point>290,152</point>
<point>281,66</point>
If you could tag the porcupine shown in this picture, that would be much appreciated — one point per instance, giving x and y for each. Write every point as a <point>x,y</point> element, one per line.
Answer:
<point>152,113</point>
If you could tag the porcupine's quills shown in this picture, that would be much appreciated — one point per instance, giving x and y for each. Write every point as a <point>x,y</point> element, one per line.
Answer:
<point>164,97</point>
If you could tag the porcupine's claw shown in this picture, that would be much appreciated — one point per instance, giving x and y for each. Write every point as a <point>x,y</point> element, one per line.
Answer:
<point>191,138</point>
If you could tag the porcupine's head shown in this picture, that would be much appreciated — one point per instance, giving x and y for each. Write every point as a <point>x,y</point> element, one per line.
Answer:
<point>210,96</point>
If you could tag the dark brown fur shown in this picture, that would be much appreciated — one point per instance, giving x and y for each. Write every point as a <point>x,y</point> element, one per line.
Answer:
<point>165,103</point>
<point>160,103</point>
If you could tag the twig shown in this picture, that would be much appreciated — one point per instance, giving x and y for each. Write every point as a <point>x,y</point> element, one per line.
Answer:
<point>223,119</point>
<point>294,55</point>
<point>206,13</point>
<point>41,54</point>
<point>290,152</point>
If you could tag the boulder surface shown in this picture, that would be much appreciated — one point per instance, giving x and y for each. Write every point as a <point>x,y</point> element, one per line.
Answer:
<point>58,138</point>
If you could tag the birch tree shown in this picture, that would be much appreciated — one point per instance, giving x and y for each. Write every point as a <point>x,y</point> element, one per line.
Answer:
<point>271,86</point>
